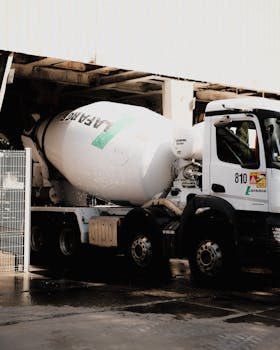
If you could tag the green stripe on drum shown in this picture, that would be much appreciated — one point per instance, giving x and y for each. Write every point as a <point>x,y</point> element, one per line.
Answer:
<point>106,136</point>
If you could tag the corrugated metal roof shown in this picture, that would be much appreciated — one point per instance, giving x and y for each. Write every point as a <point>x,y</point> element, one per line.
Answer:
<point>229,42</point>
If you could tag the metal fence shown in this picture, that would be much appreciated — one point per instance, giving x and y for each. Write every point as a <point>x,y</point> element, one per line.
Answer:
<point>15,179</point>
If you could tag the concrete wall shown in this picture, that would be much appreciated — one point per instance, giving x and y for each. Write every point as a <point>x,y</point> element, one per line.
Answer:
<point>232,42</point>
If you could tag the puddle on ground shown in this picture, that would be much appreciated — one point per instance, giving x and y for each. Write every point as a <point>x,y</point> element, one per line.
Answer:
<point>180,308</point>
<point>255,319</point>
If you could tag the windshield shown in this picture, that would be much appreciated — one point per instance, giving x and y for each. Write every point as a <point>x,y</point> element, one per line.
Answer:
<point>271,131</point>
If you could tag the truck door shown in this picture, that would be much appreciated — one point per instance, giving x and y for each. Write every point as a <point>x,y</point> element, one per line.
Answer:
<point>237,166</point>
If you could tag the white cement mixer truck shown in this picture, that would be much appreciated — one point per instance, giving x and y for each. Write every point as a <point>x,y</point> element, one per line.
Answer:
<point>209,194</point>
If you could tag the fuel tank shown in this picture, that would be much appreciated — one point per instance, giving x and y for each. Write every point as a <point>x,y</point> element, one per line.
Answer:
<point>118,152</point>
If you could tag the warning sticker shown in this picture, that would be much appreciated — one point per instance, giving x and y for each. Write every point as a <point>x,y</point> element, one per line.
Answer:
<point>258,179</point>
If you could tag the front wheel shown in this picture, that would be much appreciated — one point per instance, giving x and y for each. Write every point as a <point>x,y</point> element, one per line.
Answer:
<point>212,259</point>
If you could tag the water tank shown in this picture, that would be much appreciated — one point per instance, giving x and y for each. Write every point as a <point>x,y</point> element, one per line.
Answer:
<point>188,142</point>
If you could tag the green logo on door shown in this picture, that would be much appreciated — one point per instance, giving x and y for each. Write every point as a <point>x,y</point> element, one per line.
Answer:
<point>247,191</point>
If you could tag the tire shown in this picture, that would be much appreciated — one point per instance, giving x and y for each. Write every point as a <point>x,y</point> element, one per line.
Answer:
<point>37,239</point>
<point>69,242</point>
<point>212,259</point>
<point>144,252</point>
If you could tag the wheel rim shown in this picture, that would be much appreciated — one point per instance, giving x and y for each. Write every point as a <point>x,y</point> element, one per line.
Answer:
<point>209,257</point>
<point>141,251</point>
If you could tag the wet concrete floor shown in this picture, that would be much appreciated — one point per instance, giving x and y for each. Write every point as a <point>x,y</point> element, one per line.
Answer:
<point>100,304</point>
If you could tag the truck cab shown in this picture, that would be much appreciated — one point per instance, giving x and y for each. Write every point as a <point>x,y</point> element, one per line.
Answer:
<point>244,159</point>
<point>234,219</point>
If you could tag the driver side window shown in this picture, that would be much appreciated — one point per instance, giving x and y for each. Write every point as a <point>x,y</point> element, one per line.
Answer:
<point>237,143</point>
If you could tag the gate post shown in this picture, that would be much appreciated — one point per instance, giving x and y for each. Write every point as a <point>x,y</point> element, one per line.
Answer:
<point>27,216</point>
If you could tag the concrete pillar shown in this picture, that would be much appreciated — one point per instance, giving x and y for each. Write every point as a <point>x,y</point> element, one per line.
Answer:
<point>6,63</point>
<point>178,101</point>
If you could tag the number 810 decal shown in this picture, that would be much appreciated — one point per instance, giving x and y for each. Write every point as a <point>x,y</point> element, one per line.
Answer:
<point>241,178</point>
<point>256,179</point>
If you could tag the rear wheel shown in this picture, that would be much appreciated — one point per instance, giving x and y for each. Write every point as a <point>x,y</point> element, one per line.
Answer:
<point>5,142</point>
<point>37,239</point>
<point>144,252</point>
<point>141,251</point>
<point>69,242</point>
